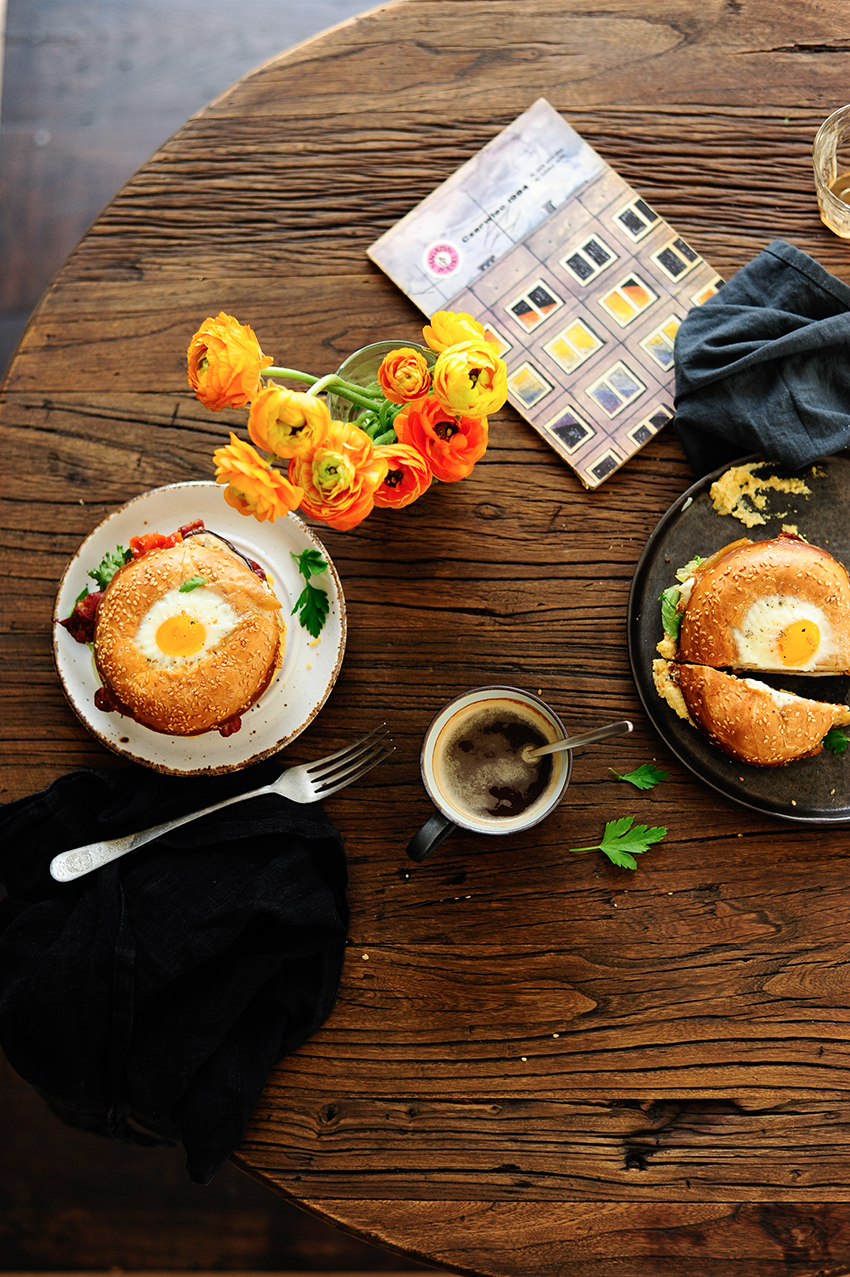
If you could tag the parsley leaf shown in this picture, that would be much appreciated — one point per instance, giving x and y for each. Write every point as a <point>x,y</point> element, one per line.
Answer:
<point>643,777</point>
<point>312,603</point>
<point>109,565</point>
<point>835,741</point>
<point>192,584</point>
<point>310,563</point>
<point>621,843</point>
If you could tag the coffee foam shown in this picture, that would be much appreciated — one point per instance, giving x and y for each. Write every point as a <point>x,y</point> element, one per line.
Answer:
<point>478,764</point>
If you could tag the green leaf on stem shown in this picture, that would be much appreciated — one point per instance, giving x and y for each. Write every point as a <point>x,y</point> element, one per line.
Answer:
<point>109,565</point>
<point>643,777</point>
<point>312,607</point>
<point>312,603</point>
<point>310,563</point>
<point>621,843</point>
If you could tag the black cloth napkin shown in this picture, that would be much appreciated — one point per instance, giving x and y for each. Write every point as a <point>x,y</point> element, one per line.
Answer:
<point>149,1000</point>
<point>764,365</point>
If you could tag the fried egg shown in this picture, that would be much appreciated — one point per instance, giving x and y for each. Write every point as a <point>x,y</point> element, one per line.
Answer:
<point>780,632</point>
<point>181,628</point>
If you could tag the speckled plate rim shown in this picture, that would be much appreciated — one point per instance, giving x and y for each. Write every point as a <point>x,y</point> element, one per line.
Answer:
<point>300,688</point>
<point>697,753</point>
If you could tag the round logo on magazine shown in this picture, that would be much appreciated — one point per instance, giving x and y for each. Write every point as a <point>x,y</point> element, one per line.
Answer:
<point>442,258</point>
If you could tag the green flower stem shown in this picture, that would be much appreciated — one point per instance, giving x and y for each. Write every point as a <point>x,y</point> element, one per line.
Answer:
<point>361,390</point>
<point>292,373</point>
<point>382,440</point>
<point>388,414</point>
<point>345,389</point>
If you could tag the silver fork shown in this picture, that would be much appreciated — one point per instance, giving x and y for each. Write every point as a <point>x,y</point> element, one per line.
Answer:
<point>305,784</point>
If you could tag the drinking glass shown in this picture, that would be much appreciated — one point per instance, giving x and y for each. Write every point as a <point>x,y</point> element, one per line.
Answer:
<point>831,162</point>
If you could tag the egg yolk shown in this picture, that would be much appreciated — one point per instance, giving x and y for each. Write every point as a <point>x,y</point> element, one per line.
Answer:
<point>798,642</point>
<point>180,636</point>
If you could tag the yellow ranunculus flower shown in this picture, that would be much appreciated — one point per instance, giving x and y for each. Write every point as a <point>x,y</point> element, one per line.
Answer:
<point>253,487</point>
<point>225,363</point>
<point>288,423</point>
<point>448,327</point>
<point>470,379</point>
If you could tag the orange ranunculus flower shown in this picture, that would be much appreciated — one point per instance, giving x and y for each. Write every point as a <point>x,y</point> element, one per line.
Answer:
<point>288,422</point>
<point>404,375</point>
<point>448,327</point>
<point>225,362</point>
<point>340,477</point>
<point>450,444</point>
<point>471,378</point>
<point>408,475</point>
<point>253,487</point>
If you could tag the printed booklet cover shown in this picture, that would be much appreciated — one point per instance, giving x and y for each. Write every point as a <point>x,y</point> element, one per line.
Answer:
<point>580,282</point>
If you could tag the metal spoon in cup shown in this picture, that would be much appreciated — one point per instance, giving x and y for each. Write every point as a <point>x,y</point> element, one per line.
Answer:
<point>574,742</point>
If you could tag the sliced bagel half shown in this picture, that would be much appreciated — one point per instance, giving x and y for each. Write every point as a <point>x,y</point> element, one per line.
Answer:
<point>752,722</point>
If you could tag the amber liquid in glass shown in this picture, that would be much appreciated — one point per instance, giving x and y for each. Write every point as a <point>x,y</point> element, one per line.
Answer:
<point>840,186</point>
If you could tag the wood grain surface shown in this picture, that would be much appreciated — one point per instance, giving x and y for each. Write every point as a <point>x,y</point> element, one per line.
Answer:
<point>538,1063</point>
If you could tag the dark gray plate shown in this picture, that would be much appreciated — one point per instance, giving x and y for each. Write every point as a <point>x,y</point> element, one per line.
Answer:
<point>813,790</point>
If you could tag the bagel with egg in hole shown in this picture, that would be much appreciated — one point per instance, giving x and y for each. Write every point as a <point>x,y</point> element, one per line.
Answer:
<point>187,637</point>
<point>776,606</point>
<point>748,720</point>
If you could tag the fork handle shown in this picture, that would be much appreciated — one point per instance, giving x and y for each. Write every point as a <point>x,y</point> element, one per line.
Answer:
<point>82,860</point>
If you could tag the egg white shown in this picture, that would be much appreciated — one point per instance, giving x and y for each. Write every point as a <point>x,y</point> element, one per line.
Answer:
<point>782,700</point>
<point>210,609</point>
<point>757,639</point>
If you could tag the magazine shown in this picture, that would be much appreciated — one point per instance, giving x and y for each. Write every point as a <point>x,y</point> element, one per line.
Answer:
<point>577,279</point>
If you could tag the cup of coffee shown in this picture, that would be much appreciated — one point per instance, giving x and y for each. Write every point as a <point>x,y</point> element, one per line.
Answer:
<point>474,771</point>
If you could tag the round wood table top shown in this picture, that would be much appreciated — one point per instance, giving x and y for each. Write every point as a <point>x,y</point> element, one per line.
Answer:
<point>538,1062</point>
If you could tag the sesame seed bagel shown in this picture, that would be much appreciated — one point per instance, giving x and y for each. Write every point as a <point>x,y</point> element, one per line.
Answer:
<point>188,660</point>
<point>755,723</point>
<point>774,606</point>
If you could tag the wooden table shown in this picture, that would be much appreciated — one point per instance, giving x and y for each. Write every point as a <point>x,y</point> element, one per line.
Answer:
<point>538,1063</point>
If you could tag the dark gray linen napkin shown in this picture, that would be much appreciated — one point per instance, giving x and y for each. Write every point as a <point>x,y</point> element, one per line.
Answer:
<point>149,1000</point>
<point>764,365</point>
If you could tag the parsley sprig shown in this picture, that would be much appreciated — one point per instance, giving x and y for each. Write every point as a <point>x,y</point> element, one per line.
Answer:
<point>835,741</point>
<point>312,603</point>
<point>109,565</point>
<point>643,777</point>
<point>621,843</point>
<point>106,569</point>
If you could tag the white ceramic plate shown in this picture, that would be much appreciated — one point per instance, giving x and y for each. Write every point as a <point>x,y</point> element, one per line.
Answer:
<point>300,688</point>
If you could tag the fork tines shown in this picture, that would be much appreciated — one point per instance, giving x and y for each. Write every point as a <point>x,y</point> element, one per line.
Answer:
<point>351,762</point>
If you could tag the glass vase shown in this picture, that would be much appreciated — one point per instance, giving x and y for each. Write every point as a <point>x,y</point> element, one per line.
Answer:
<point>361,369</point>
